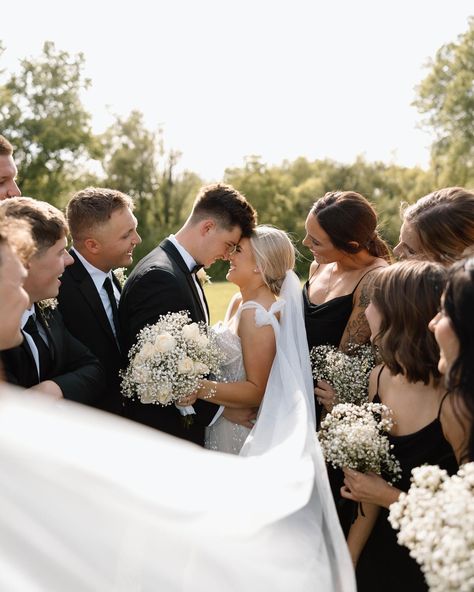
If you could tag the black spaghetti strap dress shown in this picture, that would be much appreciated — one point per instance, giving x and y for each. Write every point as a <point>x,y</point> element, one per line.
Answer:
<point>325,325</point>
<point>384,564</point>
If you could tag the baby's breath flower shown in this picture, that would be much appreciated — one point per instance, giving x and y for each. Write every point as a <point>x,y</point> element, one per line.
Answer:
<point>121,275</point>
<point>50,303</point>
<point>435,520</point>
<point>169,359</point>
<point>348,373</point>
<point>353,436</point>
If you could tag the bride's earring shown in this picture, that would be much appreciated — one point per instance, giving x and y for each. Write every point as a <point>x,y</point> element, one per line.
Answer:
<point>256,270</point>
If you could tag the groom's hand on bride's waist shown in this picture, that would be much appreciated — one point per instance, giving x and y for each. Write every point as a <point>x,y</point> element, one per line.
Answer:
<point>245,417</point>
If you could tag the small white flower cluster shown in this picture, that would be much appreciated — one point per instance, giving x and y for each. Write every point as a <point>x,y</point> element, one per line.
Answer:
<point>203,277</point>
<point>353,436</point>
<point>348,373</point>
<point>169,359</point>
<point>48,303</point>
<point>121,274</point>
<point>436,523</point>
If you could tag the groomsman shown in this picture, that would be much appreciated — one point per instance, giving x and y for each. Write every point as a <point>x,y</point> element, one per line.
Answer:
<point>8,171</point>
<point>165,281</point>
<point>104,234</point>
<point>50,358</point>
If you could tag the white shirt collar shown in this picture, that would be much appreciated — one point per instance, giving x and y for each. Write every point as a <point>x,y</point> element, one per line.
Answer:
<point>188,259</point>
<point>29,312</point>
<point>97,275</point>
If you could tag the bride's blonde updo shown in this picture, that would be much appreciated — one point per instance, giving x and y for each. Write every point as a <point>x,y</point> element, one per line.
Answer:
<point>274,254</point>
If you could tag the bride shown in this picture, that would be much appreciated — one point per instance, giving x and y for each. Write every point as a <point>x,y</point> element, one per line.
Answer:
<point>258,266</point>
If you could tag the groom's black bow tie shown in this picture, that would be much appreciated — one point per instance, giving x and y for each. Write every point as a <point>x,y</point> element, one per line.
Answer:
<point>196,268</point>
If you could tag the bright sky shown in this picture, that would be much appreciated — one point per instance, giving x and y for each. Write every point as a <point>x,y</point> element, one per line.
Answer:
<point>230,78</point>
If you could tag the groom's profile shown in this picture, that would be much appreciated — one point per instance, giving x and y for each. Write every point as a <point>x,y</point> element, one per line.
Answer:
<point>165,281</point>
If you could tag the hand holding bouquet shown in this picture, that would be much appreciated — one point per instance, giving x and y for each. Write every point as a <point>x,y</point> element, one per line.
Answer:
<point>353,436</point>
<point>169,359</point>
<point>436,523</point>
<point>348,373</point>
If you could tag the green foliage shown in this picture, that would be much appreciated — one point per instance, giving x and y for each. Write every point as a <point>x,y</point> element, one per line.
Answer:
<point>42,115</point>
<point>136,162</point>
<point>446,98</point>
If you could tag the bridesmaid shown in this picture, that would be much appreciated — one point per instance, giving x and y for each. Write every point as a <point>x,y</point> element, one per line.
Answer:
<point>405,297</point>
<point>341,233</point>
<point>453,328</point>
<point>437,227</point>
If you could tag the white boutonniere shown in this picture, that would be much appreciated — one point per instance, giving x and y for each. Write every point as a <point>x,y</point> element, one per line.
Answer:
<point>203,277</point>
<point>47,304</point>
<point>120,275</point>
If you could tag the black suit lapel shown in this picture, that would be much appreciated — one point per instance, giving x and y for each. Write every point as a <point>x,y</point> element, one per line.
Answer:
<point>85,284</point>
<point>27,363</point>
<point>42,318</point>
<point>173,252</point>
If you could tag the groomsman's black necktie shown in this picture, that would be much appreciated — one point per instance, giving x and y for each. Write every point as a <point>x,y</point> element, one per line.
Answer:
<point>45,361</point>
<point>113,303</point>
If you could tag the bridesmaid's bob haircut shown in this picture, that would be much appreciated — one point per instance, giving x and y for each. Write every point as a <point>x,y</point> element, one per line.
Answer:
<point>444,223</point>
<point>274,254</point>
<point>227,206</point>
<point>407,296</point>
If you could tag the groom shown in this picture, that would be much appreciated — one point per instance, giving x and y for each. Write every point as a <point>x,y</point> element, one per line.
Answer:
<point>165,281</point>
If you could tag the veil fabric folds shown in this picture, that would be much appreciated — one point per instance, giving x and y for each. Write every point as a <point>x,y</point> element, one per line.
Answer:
<point>91,502</point>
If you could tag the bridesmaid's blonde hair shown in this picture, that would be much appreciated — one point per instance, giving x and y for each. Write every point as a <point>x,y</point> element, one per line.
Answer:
<point>274,254</point>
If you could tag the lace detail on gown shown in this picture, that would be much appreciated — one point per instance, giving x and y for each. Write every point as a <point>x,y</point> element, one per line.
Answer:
<point>224,435</point>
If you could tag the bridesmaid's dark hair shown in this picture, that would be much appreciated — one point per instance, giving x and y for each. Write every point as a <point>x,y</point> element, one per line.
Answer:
<point>407,296</point>
<point>347,217</point>
<point>458,305</point>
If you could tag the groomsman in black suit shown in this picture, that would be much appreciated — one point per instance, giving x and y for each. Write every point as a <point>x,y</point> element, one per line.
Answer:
<point>50,358</point>
<point>165,281</point>
<point>104,234</point>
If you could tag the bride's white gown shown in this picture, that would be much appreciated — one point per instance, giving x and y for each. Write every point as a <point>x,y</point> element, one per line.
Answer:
<point>224,435</point>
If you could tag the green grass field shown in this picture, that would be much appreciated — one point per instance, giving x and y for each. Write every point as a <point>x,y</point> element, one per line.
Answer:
<point>218,295</point>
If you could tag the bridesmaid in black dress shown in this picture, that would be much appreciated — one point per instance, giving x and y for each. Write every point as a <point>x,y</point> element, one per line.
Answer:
<point>453,328</point>
<point>405,297</point>
<point>341,233</point>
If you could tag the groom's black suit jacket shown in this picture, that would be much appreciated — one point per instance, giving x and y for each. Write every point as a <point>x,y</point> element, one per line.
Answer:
<point>85,317</point>
<point>74,369</point>
<point>162,283</point>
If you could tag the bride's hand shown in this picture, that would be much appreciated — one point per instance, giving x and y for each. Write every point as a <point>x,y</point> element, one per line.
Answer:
<point>325,394</point>
<point>188,400</point>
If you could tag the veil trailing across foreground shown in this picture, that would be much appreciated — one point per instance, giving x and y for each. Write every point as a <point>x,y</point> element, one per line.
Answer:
<point>93,502</point>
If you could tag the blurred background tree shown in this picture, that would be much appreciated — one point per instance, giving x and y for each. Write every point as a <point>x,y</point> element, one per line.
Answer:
<point>446,99</point>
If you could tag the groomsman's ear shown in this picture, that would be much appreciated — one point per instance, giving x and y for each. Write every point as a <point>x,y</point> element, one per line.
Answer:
<point>92,245</point>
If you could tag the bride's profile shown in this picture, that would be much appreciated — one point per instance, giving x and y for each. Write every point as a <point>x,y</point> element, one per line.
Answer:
<point>258,266</point>
<point>92,502</point>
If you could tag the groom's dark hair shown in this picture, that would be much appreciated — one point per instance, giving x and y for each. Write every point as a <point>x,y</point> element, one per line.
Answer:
<point>227,206</point>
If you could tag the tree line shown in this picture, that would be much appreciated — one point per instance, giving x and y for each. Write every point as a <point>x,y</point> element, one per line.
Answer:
<point>57,152</point>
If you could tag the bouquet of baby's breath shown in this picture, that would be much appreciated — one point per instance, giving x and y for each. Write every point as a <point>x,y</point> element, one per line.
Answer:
<point>436,523</point>
<point>353,436</point>
<point>169,359</point>
<point>348,373</point>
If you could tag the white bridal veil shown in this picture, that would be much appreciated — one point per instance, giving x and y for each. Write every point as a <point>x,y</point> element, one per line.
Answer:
<point>92,502</point>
